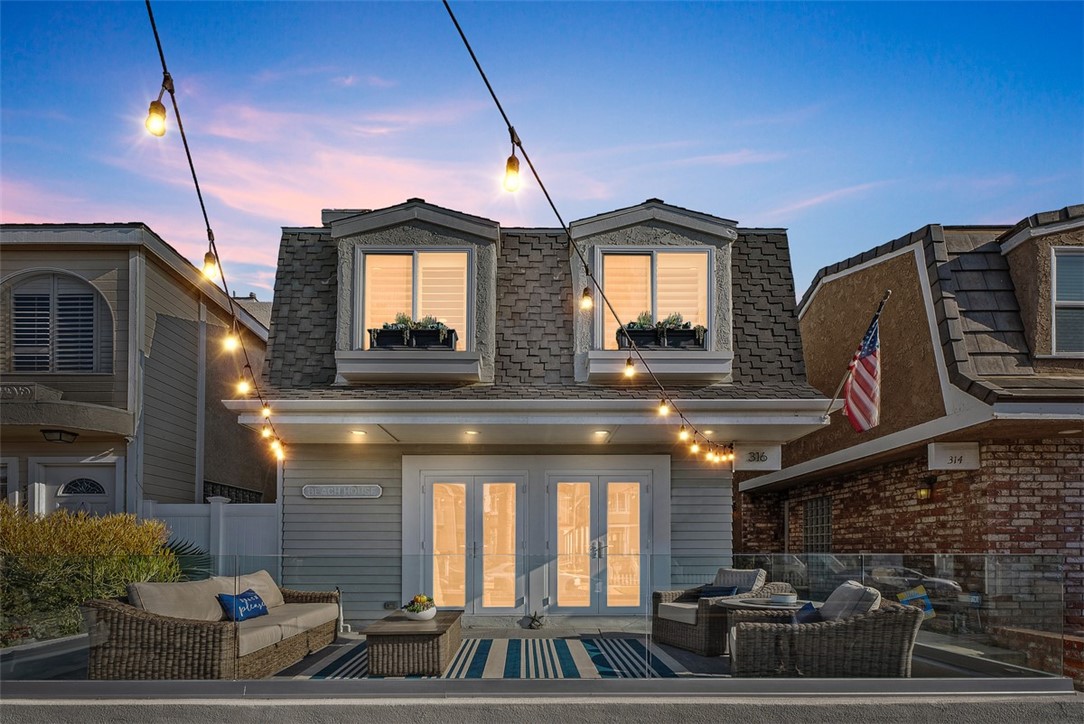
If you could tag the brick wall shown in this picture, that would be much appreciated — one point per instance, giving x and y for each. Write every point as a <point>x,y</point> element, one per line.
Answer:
<point>1026,503</point>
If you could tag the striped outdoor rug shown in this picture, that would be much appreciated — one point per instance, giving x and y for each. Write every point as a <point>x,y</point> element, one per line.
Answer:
<point>584,658</point>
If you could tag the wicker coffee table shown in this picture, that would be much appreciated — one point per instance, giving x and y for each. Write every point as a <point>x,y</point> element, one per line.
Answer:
<point>399,646</point>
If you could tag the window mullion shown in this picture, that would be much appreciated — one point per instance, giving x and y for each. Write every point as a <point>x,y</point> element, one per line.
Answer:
<point>654,286</point>
<point>414,286</point>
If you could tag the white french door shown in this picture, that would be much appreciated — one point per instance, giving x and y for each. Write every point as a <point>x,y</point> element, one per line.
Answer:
<point>598,543</point>
<point>473,541</point>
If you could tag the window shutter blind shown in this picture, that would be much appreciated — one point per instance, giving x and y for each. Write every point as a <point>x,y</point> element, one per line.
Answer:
<point>30,331</point>
<point>74,344</point>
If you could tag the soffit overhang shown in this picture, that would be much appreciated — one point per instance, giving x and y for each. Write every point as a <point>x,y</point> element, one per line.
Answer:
<point>547,422</point>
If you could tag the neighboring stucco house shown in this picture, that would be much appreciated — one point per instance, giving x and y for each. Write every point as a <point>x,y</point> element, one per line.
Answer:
<point>113,374</point>
<point>979,448</point>
<point>510,468</point>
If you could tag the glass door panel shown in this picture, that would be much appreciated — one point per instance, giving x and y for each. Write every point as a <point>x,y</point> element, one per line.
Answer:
<point>574,545</point>
<point>498,545</point>
<point>449,508</point>
<point>621,550</point>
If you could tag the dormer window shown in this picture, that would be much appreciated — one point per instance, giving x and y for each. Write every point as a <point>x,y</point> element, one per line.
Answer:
<point>658,284</point>
<point>1068,301</point>
<point>418,284</point>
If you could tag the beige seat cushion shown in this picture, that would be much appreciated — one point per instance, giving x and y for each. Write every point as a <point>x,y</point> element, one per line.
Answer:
<point>744,579</point>
<point>193,600</point>
<point>257,633</point>
<point>679,611</point>
<point>260,582</point>
<point>850,599</point>
<point>294,618</point>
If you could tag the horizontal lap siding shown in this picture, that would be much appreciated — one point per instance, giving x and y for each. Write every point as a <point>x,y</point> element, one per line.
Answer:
<point>354,544</point>
<point>170,390</point>
<point>701,521</point>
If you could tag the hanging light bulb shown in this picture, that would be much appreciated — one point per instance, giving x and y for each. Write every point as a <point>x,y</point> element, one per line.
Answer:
<point>210,265</point>
<point>266,411</point>
<point>664,407</point>
<point>586,302</point>
<point>280,454</point>
<point>694,448</point>
<point>630,368</point>
<point>266,431</point>
<point>683,433</point>
<point>511,173</point>
<point>231,342</point>
<point>244,387</point>
<point>156,118</point>
<point>276,444</point>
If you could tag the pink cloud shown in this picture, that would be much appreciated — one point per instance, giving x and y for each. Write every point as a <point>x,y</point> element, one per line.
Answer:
<point>828,197</point>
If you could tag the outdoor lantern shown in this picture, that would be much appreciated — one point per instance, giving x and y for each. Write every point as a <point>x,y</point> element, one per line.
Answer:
<point>156,119</point>
<point>925,488</point>
<point>59,436</point>
<point>511,173</point>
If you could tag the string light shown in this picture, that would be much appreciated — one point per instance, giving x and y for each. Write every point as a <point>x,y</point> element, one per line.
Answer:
<point>231,342</point>
<point>683,433</point>
<point>511,173</point>
<point>156,124</point>
<point>586,301</point>
<point>630,368</point>
<point>664,407</point>
<point>694,448</point>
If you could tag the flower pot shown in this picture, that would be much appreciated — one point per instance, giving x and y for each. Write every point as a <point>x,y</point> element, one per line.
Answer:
<point>642,337</point>
<point>430,338</point>
<point>680,338</point>
<point>425,615</point>
<point>387,338</point>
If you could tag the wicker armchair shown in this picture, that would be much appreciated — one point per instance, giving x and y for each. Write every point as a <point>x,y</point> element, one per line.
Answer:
<point>706,634</point>
<point>129,643</point>
<point>878,643</point>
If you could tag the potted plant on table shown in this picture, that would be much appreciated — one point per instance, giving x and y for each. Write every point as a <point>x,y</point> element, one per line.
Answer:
<point>674,331</point>
<point>642,332</point>
<point>420,608</point>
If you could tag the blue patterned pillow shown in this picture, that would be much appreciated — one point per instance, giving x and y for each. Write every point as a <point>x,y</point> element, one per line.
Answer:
<point>243,606</point>
<point>716,591</point>
<point>807,614</point>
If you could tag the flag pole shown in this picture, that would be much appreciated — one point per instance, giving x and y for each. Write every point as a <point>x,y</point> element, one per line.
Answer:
<point>880,308</point>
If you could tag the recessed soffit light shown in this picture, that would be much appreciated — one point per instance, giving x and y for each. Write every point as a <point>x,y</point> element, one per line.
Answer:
<point>358,432</point>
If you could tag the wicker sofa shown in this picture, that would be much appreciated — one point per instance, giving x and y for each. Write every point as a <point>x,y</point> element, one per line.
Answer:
<point>876,643</point>
<point>686,619</point>
<point>178,631</point>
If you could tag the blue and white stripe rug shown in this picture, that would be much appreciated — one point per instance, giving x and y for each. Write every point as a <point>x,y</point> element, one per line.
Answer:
<point>583,658</point>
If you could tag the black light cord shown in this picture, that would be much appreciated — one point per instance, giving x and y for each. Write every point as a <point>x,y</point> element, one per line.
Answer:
<point>167,85</point>
<point>517,143</point>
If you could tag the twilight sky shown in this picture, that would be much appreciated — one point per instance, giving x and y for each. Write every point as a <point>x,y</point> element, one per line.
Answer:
<point>850,124</point>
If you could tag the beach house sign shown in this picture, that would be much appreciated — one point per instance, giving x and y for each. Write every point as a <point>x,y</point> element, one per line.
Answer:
<point>319,490</point>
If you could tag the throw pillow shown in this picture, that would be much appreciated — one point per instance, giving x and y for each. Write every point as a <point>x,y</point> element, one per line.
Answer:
<point>807,614</point>
<point>716,591</point>
<point>243,606</point>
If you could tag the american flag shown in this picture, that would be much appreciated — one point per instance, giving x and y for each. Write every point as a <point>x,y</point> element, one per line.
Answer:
<point>862,391</point>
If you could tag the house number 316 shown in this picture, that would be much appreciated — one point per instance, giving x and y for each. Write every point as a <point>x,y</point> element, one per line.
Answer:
<point>757,456</point>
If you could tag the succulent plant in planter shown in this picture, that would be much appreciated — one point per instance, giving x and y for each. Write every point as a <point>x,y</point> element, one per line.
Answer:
<point>429,332</point>
<point>392,334</point>
<point>642,332</point>
<point>674,331</point>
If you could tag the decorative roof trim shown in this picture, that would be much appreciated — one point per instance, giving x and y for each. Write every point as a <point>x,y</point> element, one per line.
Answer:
<point>417,210</point>
<point>1018,235</point>
<point>654,210</point>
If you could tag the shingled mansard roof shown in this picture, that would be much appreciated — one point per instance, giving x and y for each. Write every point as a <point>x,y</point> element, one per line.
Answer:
<point>978,315</point>
<point>534,338</point>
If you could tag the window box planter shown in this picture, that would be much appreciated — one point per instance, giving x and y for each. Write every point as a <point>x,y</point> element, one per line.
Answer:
<point>643,338</point>
<point>433,338</point>
<point>680,339</point>
<point>388,338</point>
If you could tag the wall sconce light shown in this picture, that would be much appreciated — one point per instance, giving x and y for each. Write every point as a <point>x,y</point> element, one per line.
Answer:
<point>924,491</point>
<point>59,436</point>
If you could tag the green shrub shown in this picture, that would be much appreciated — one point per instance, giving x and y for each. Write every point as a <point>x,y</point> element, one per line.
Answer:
<point>51,564</point>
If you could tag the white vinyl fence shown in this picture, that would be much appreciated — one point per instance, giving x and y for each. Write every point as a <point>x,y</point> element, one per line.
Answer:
<point>241,538</point>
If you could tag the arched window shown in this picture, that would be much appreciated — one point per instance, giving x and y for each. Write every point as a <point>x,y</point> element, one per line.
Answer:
<point>82,486</point>
<point>59,323</point>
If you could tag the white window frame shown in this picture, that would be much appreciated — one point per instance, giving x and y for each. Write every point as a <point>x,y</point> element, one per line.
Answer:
<point>11,468</point>
<point>1055,251</point>
<point>361,252</point>
<point>100,360</point>
<point>601,310</point>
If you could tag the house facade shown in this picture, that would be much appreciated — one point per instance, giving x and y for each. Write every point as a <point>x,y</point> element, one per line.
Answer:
<point>113,374</point>
<point>980,447</point>
<point>502,461</point>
